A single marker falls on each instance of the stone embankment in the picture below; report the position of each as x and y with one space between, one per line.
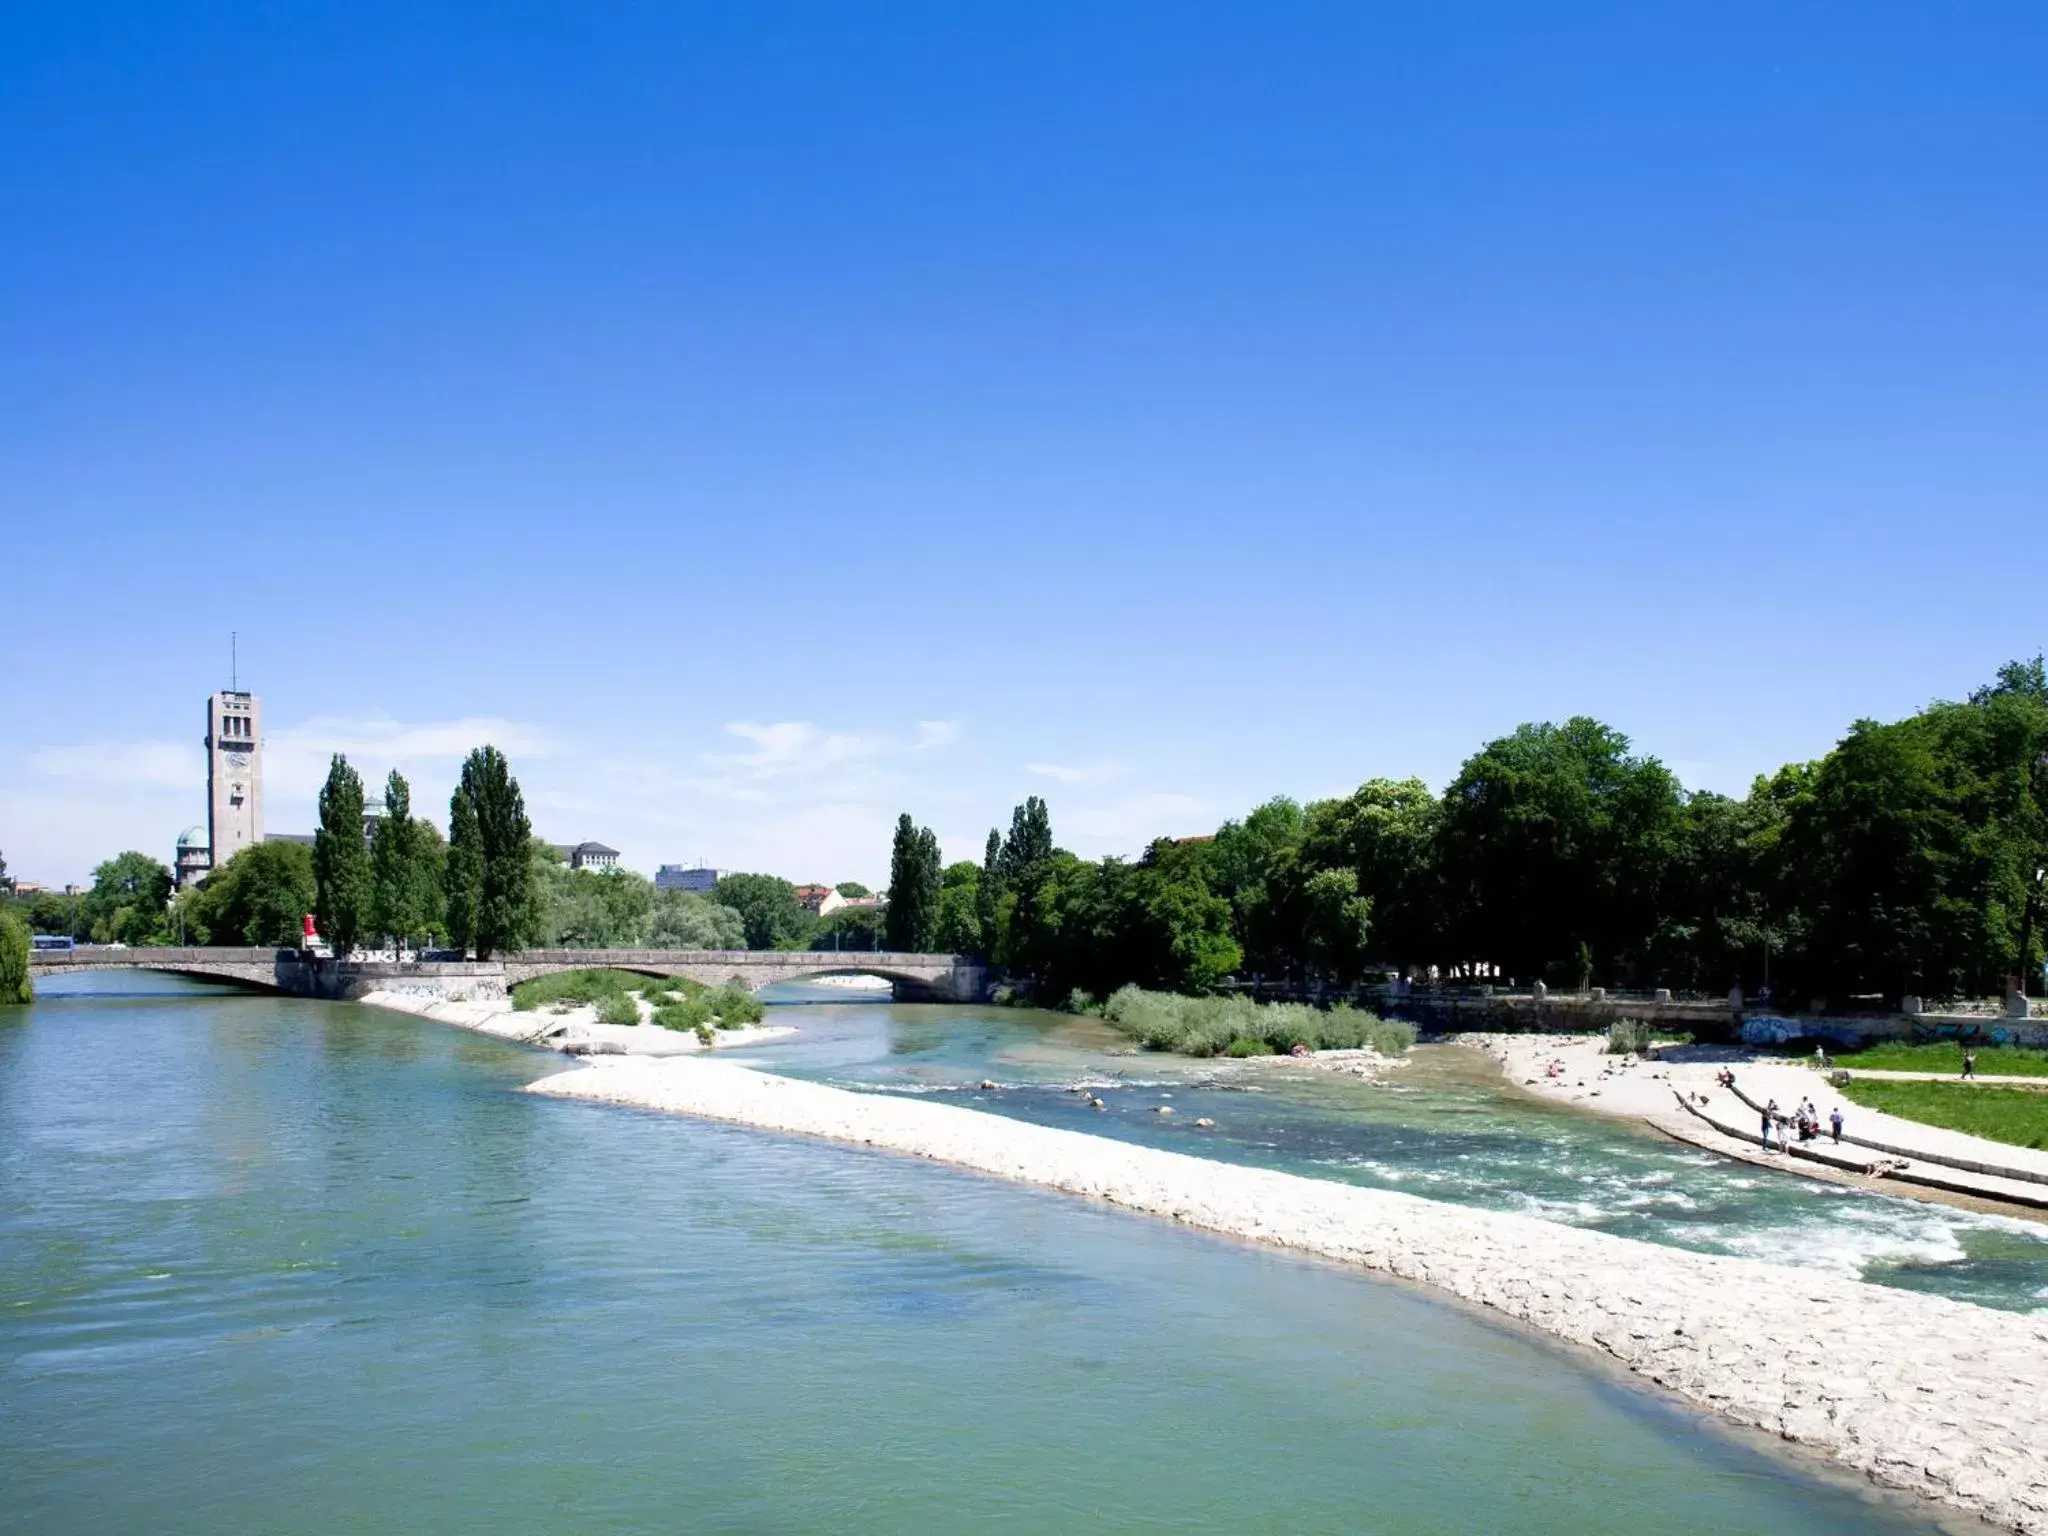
1919 1392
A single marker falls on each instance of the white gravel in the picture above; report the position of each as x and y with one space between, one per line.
1919 1392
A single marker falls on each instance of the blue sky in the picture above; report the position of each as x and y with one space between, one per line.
761 419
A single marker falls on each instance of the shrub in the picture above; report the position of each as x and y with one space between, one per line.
705 1035
688 1013
735 1007
618 1008
574 987
1237 1026
15 983
1081 1002
1626 1035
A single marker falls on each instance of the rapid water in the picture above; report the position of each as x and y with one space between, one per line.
1442 1126
273 1265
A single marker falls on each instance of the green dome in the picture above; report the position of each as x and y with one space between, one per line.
192 837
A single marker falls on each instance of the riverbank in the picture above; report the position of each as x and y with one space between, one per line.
1575 1070
1920 1393
572 1031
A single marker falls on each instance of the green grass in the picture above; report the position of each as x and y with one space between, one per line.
2018 1116
1946 1057
1237 1026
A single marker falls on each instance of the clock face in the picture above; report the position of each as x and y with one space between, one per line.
238 760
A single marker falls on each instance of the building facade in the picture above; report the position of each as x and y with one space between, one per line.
593 856
234 775
674 877
194 858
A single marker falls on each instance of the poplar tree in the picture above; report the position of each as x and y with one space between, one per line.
405 867
988 894
341 863
915 876
490 877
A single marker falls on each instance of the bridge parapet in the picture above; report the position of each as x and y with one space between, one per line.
937 978
934 978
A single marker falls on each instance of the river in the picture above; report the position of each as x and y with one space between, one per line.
1443 1126
268 1264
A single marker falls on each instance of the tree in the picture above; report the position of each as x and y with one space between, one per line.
850 889
259 897
1552 838
6 880
126 904
341 864
914 878
1246 861
957 928
988 896
1029 844
851 928
687 920
1385 834
768 909
490 871
406 857
16 986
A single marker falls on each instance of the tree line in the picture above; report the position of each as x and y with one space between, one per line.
1910 859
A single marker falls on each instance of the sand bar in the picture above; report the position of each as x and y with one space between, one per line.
1919 1392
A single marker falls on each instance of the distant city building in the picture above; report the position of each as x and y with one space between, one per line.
861 903
234 775
30 888
674 877
194 857
593 856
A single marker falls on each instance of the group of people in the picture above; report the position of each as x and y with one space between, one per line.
1805 1121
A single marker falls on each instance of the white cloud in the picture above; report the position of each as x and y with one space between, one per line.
792 746
937 733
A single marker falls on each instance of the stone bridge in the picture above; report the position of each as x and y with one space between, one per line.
925 978
918 978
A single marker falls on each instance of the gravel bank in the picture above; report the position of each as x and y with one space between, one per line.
572 1031
1919 1392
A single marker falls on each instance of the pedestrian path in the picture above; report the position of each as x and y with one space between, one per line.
1877 1148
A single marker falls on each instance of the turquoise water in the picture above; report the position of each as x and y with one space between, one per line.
270 1265
1442 1127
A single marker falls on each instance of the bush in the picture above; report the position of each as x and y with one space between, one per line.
618 1008
735 1007
574 987
689 1013
704 1034
15 984
1626 1035
1237 1026
1081 1002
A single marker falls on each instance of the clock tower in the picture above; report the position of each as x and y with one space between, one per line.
234 774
